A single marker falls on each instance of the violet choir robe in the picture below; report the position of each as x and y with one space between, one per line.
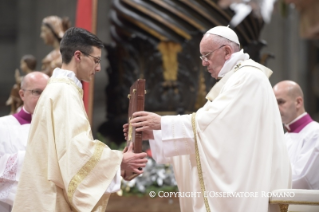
240 144
65 169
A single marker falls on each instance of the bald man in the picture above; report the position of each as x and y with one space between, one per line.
14 130
302 136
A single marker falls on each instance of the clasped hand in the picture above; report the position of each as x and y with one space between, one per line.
144 122
132 162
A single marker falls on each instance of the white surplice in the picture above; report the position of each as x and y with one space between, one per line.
240 140
303 149
13 141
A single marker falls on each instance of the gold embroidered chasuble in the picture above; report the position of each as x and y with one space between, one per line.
240 145
65 169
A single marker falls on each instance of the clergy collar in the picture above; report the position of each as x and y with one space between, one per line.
23 116
299 123
233 60
58 72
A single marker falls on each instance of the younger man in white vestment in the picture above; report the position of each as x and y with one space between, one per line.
65 169
14 130
302 136
234 143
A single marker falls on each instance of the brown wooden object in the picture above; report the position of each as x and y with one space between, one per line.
137 99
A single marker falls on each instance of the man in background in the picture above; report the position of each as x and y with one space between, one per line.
14 130
302 136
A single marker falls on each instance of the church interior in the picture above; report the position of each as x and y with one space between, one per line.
157 40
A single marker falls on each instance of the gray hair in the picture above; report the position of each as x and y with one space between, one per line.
224 41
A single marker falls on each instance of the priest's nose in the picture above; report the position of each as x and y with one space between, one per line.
205 63
98 68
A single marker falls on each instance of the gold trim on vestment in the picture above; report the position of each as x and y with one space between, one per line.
199 166
85 170
67 81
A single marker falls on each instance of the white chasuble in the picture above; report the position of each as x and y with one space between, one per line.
240 145
64 168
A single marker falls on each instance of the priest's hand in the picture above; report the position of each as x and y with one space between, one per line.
133 162
147 134
144 121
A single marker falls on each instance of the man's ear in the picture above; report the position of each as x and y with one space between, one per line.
21 93
299 102
77 56
228 52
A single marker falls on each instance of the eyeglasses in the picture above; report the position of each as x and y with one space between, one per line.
35 92
204 57
97 60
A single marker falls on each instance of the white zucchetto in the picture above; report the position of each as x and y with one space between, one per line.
224 32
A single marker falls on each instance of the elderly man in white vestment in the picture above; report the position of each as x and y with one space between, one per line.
65 169
302 136
14 130
231 152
